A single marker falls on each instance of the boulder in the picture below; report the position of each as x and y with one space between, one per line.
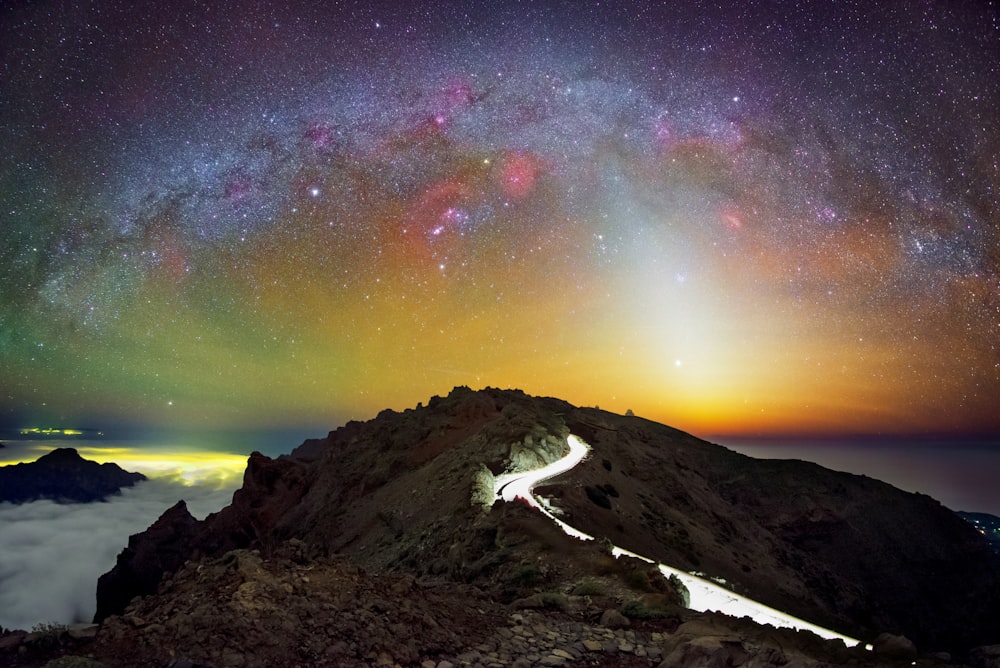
613 619
890 646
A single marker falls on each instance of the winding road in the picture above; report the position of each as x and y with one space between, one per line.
704 594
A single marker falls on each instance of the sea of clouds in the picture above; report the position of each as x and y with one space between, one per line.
52 554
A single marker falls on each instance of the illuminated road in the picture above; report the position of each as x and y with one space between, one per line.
705 594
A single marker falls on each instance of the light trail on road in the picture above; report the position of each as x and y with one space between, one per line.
705 595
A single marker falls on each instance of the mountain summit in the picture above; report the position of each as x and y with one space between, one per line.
410 495
63 475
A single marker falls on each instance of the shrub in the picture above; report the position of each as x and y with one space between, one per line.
588 587
638 579
636 609
47 634
70 661
527 575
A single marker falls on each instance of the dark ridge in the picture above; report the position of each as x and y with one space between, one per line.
64 476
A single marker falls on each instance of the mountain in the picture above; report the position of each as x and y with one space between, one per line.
63 475
986 524
381 544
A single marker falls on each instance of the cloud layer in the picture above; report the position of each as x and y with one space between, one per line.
51 555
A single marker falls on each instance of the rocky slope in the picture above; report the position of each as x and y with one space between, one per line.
63 475
407 495
295 608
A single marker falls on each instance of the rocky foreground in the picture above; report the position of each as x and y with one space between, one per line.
293 609
381 545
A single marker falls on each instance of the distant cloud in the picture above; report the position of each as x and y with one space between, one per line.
51 555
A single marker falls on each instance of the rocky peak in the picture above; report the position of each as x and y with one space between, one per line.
162 548
63 475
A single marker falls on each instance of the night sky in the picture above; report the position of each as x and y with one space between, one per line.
741 218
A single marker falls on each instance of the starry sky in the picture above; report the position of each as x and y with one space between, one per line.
735 218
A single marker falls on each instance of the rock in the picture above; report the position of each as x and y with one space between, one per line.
705 652
987 656
613 619
82 631
162 548
894 647
592 645
135 621
534 601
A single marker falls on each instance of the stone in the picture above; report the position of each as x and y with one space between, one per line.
892 646
613 619
563 654
592 645
82 631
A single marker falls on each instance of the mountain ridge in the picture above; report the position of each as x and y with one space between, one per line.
403 493
63 475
